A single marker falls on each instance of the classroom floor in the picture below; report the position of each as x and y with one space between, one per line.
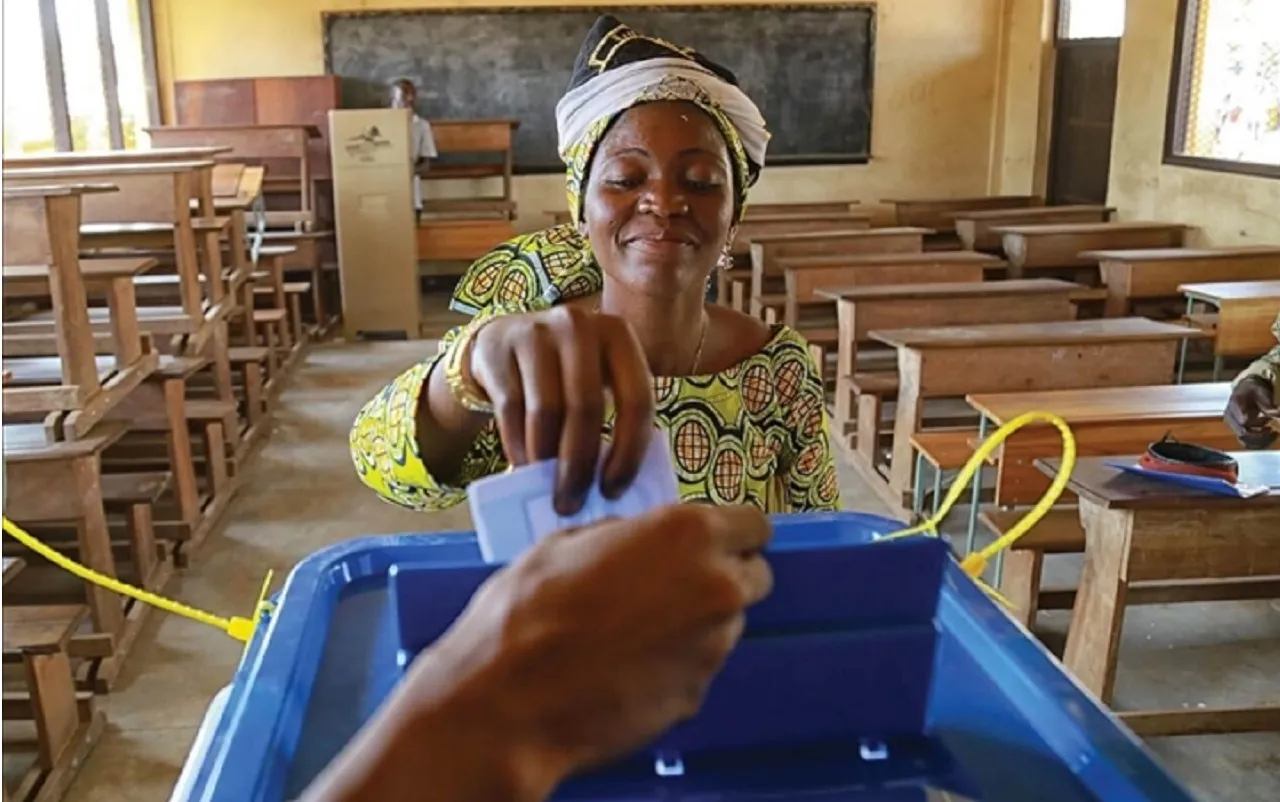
300 494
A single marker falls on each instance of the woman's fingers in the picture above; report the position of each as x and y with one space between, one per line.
504 384
579 447
627 372
544 396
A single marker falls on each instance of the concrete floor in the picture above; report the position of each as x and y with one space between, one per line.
300 494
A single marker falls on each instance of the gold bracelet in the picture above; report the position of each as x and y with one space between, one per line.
457 372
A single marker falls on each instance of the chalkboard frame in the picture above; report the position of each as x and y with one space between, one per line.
329 18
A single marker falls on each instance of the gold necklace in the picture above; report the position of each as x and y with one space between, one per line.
702 338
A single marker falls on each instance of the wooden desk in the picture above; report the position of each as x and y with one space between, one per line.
1143 530
767 251
975 227
806 277
1110 420
1066 245
108 157
937 213
1247 311
1155 273
863 309
957 361
61 481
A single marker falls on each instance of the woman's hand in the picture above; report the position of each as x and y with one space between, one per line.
546 374
1251 407
588 646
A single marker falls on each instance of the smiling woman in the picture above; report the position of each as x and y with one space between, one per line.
601 325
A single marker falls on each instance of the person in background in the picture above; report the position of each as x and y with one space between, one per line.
582 650
598 330
1252 407
403 96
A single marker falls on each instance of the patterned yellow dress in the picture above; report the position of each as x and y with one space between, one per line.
756 433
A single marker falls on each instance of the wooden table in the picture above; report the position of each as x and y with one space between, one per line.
1247 312
937 213
1030 247
975 227
957 361
1155 273
1139 530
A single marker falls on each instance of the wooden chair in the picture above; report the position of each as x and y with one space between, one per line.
463 229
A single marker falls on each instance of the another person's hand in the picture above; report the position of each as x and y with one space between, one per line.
591 644
546 374
1251 407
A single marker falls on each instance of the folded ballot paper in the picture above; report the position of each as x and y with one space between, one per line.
512 511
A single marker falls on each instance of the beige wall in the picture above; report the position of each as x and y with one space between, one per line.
938 66
1226 208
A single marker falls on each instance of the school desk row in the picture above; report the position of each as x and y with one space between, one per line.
128 415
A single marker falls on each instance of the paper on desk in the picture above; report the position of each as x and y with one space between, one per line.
514 510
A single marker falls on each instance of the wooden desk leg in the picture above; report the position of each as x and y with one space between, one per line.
846 360
239 247
1093 641
95 545
739 294
125 334
180 460
907 419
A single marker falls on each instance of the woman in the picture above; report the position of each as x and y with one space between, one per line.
661 148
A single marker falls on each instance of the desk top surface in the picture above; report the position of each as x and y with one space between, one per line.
1029 213
1058 229
1113 488
1065 332
1110 404
1140 255
953 289
1232 290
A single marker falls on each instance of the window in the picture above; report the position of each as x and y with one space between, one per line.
1090 19
1225 92
78 74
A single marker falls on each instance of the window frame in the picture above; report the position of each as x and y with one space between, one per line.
55 81
1186 33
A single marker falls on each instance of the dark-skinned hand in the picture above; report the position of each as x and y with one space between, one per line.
549 376
1251 407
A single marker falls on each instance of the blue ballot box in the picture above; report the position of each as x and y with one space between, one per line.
875 671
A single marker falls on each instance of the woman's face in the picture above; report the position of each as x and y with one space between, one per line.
658 206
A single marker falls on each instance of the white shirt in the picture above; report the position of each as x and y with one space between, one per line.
424 147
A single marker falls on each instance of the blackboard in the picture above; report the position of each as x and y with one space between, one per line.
808 67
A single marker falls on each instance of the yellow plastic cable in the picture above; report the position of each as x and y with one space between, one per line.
976 563
241 629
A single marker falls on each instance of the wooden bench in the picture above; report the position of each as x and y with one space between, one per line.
766 252
942 451
733 287
67 725
975 227
1055 247
1132 275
